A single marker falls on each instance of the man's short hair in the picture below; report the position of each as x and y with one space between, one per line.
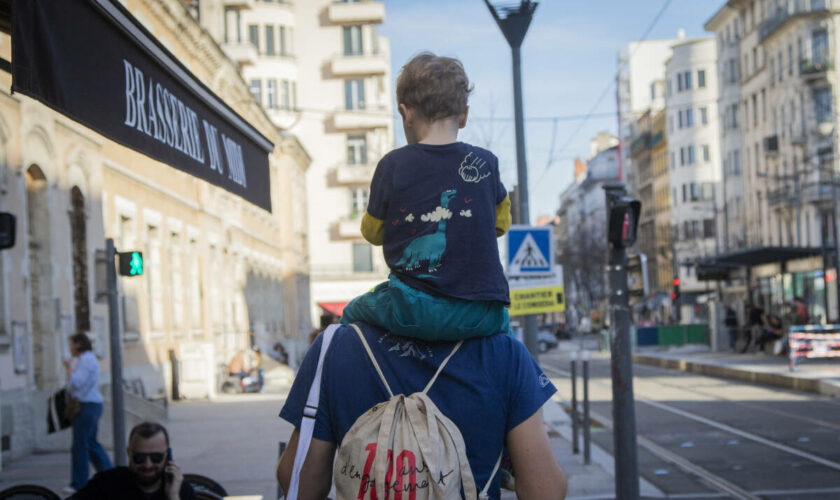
82 341
146 430
435 87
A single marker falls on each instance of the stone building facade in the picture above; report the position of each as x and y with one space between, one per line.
220 274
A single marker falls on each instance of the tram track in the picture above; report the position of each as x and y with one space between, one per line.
706 477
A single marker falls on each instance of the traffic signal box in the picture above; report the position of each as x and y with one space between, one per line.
131 263
675 295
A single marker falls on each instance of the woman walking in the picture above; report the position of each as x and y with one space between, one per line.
83 384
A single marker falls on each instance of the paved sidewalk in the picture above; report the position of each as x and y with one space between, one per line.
820 376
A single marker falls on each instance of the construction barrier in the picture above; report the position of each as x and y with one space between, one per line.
813 341
672 335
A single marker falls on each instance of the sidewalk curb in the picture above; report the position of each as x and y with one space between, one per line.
560 422
785 381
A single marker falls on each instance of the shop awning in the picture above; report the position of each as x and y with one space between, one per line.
336 308
719 266
92 61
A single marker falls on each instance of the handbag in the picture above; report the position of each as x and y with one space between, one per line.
57 418
72 407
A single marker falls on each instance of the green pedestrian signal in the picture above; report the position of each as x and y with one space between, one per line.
131 263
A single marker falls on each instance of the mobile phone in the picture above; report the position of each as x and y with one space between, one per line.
168 461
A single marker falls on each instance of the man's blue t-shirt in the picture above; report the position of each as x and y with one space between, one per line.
491 385
438 204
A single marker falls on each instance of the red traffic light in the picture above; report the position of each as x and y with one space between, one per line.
676 282
673 296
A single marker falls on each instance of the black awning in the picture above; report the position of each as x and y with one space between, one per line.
92 61
762 255
719 266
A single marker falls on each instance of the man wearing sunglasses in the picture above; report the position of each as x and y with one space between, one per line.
150 475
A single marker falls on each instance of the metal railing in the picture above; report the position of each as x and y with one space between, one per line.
788 10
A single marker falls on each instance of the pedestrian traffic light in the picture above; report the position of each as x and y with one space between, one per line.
623 221
675 295
131 263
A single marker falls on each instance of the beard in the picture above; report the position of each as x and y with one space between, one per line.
147 479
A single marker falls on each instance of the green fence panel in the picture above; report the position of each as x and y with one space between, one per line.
697 334
671 335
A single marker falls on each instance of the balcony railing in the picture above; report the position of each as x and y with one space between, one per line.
354 174
348 119
818 192
366 11
242 53
815 69
789 10
365 64
781 197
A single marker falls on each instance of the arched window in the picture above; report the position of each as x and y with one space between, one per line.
78 241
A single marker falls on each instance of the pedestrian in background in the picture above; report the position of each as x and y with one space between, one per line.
731 322
83 384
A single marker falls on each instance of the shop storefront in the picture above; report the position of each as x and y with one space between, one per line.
775 276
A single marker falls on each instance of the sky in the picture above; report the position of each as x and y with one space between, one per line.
569 58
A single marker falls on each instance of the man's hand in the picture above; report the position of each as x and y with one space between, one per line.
173 487
68 365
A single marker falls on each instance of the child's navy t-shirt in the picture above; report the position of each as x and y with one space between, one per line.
438 204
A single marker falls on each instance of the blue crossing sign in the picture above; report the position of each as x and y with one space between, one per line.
529 250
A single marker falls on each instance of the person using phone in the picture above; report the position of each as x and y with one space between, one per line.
150 475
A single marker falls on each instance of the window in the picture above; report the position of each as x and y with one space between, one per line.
673 163
763 105
356 150
293 95
689 118
733 70
819 46
680 118
822 100
704 116
354 94
679 82
353 40
690 154
682 157
78 231
256 90
706 156
736 162
687 80
707 192
176 289
772 72
358 201
695 194
755 59
281 36
790 59
285 98
685 193
254 35
781 66
271 93
269 40
701 79
362 258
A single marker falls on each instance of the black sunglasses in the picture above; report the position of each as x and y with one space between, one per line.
140 458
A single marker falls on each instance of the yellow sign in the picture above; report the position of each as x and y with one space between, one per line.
537 300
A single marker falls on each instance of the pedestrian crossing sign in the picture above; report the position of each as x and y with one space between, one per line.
529 250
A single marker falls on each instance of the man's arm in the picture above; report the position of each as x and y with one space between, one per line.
538 475
316 473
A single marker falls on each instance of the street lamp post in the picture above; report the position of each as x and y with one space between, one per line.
514 23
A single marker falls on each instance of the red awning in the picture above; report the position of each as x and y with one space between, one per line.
333 307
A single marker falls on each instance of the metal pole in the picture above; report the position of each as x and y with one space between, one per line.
587 448
118 406
575 447
530 334
624 412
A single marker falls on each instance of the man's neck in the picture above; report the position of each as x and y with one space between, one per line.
152 488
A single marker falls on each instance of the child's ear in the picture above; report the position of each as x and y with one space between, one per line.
406 112
462 120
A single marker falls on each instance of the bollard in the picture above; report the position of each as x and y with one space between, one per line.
587 456
575 447
282 448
